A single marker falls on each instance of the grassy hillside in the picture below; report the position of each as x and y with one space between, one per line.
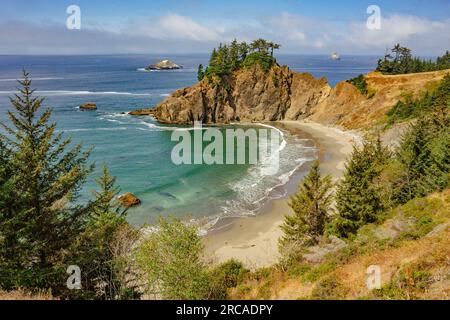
364 102
411 246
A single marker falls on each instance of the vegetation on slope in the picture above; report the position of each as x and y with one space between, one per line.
43 230
401 61
410 108
411 246
360 83
385 214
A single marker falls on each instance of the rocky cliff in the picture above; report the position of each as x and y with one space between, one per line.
250 94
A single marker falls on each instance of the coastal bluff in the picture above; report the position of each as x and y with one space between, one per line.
251 94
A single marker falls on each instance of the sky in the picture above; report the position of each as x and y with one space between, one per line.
196 26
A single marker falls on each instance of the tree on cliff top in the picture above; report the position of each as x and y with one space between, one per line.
401 61
228 58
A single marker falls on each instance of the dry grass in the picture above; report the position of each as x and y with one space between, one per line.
23 295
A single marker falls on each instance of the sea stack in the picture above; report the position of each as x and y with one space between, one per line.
88 106
164 65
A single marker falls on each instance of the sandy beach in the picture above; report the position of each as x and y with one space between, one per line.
254 240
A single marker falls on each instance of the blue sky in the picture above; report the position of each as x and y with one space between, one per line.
301 26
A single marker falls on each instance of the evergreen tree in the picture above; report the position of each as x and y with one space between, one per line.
228 58
200 73
358 198
423 158
243 51
402 62
234 55
93 252
438 101
311 206
39 220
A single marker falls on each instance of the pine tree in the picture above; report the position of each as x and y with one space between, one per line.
358 198
311 206
423 158
200 73
40 220
234 55
92 250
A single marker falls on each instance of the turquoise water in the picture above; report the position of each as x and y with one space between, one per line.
137 149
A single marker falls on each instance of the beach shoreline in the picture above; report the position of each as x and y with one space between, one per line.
254 240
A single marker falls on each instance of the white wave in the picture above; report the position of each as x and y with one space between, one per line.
156 127
145 70
33 79
91 129
81 93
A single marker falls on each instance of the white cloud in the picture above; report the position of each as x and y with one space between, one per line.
177 33
174 26
400 28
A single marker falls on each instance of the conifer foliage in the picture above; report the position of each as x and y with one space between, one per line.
40 220
401 61
422 160
311 206
358 196
228 58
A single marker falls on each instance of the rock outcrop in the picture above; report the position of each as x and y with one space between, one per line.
88 106
164 65
250 95
129 200
142 112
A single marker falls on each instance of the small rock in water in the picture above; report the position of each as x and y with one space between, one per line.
142 112
129 200
88 106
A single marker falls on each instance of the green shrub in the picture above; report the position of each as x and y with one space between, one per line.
360 83
410 108
259 58
225 276
328 288
170 262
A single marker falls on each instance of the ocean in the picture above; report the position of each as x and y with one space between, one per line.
137 150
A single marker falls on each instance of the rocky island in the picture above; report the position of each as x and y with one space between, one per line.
88 106
164 65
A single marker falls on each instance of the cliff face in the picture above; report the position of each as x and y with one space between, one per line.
251 94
